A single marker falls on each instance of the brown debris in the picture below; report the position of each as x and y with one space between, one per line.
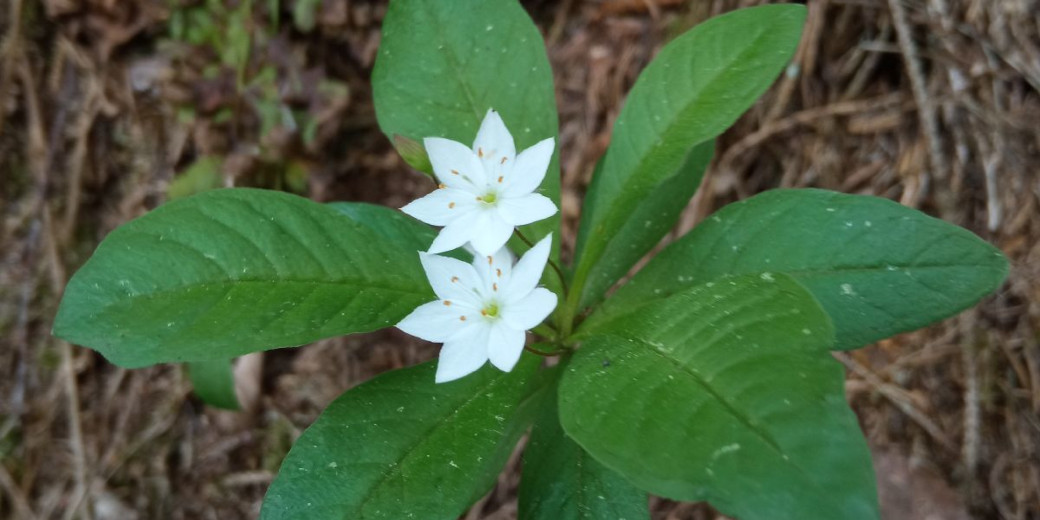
933 104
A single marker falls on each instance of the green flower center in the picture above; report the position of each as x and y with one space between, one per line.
489 198
491 311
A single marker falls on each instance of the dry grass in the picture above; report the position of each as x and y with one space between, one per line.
933 103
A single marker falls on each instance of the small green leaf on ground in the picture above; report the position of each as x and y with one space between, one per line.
214 382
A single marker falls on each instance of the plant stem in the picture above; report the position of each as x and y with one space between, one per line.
539 352
559 272
546 331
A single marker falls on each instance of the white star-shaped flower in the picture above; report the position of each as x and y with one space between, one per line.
484 192
484 309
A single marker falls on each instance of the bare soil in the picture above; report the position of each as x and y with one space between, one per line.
933 103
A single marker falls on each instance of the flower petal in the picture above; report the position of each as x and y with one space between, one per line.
441 206
494 270
494 142
455 164
527 312
529 169
490 233
505 344
463 353
453 280
453 235
523 210
528 270
431 321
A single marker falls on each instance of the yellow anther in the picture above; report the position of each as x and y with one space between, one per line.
462 318
483 312
500 177
441 186
494 287
455 172
451 205
498 272
454 279
503 161
480 152
490 260
447 302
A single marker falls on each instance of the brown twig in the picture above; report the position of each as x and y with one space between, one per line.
898 397
925 107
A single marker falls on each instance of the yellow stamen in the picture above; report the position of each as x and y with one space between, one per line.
498 272
451 205
500 179
480 152
490 260
455 172
447 302
441 186
483 312
502 162
494 287
462 318
454 279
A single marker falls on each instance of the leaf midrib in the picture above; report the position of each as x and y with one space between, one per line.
421 439
762 434
797 275
208 285
645 156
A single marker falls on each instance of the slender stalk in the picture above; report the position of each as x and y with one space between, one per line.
546 331
540 352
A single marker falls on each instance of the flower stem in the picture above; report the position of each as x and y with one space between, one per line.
540 352
559 272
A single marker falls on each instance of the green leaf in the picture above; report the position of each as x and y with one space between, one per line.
442 65
693 90
214 383
401 446
876 267
724 392
561 481
232 271
389 223
649 221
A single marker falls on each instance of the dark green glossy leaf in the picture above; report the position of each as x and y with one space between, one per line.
724 392
693 90
442 65
232 271
878 268
650 220
214 383
389 223
561 481
401 446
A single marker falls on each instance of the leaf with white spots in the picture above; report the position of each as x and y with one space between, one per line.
232 271
876 267
695 88
724 392
561 481
442 65
401 446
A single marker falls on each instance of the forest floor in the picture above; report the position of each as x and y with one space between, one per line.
932 103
